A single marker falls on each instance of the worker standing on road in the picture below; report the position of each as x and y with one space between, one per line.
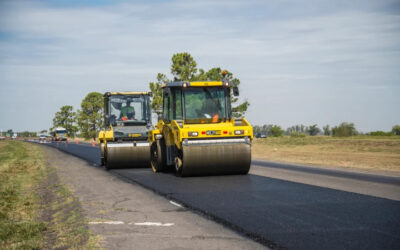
127 112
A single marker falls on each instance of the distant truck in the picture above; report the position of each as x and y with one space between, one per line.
43 138
59 134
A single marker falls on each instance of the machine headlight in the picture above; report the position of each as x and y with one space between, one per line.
239 132
193 133
158 136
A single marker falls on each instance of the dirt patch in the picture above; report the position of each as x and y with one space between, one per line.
362 153
47 198
66 225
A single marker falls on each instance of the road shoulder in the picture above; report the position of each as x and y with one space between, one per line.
128 216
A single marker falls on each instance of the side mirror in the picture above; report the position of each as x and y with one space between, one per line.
235 91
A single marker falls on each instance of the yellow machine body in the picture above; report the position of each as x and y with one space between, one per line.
123 143
201 147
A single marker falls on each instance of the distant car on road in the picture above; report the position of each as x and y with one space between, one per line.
261 135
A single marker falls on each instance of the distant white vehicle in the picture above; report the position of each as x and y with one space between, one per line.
42 138
59 134
14 136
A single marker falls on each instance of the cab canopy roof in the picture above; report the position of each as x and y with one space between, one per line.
185 84
126 93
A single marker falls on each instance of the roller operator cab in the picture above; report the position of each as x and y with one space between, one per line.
127 120
197 134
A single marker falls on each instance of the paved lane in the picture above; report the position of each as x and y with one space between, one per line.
277 212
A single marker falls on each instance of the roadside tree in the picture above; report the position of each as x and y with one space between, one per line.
66 118
184 67
155 88
90 117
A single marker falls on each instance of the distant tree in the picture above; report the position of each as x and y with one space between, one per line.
26 134
90 117
10 132
276 131
155 88
313 130
380 133
327 130
299 128
66 118
344 129
257 129
266 128
396 130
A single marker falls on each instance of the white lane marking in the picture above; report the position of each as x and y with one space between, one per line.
157 224
107 222
176 204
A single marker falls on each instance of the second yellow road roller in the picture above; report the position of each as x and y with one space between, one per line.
197 134
127 119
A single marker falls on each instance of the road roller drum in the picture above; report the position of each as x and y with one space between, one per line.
128 155
229 156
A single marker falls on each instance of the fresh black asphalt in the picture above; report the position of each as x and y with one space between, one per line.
278 213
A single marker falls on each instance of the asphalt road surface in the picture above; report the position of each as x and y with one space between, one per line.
277 212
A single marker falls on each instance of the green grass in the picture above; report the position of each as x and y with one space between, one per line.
20 170
30 189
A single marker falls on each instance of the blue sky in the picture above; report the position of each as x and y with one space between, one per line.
300 62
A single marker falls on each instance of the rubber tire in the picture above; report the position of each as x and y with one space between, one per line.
158 155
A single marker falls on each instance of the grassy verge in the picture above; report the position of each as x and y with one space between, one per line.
20 171
36 210
368 153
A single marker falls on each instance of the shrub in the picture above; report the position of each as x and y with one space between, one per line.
380 133
297 135
276 131
344 129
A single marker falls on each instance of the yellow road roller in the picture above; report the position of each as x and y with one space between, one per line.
127 119
197 134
